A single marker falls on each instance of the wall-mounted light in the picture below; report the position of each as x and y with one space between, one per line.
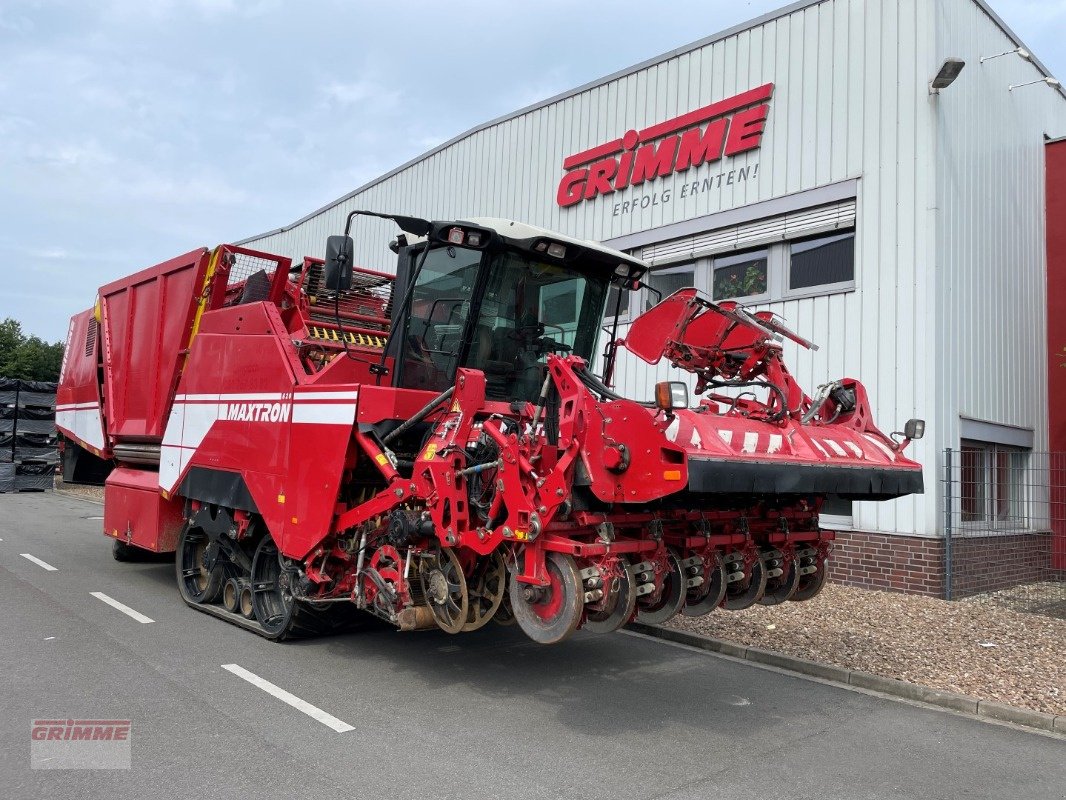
1021 52
946 75
1052 82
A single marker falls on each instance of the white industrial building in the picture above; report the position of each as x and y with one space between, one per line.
801 162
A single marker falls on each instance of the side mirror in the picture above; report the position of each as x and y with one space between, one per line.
914 429
340 254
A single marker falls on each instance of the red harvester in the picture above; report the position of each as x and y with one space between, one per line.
433 448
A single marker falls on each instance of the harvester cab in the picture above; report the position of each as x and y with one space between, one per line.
492 295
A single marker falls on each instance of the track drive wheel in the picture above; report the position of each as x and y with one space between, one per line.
486 590
706 597
748 592
811 585
197 582
444 586
617 606
549 614
278 613
672 598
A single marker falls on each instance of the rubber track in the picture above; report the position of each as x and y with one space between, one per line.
309 624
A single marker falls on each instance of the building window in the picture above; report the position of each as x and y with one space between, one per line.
741 275
822 261
992 487
666 282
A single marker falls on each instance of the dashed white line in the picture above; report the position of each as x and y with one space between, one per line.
38 562
125 609
314 712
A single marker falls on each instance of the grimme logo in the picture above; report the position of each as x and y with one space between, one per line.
256 412
734 125
80 743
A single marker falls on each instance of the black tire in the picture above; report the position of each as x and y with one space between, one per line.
198 584
127 553
279 614
780 590
706 598
556 613
749 592
671 600
620 605
810 586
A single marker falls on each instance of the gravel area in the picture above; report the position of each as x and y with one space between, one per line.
972 647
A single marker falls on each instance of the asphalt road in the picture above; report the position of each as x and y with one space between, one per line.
483 715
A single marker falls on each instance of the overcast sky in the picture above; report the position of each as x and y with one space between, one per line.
135 130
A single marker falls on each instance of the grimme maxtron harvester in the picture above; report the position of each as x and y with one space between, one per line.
433 448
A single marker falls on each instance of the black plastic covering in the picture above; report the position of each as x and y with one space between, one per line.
759 477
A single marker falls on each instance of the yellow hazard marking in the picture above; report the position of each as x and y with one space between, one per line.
281 499
381 458
672 475
295 520
520 534
431 450
331 335
455 406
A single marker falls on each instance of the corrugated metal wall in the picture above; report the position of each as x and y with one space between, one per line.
990 243
850 101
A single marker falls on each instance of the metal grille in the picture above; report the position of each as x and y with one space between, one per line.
90 337
1005 527
244 265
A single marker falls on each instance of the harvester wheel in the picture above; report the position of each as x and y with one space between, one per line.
278 613
486 592
444 586
672 598
197 582
748 592
811 585
549 614
781 589
618 605
706 597
121 551
505 614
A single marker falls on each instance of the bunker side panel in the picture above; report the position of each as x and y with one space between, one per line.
240 410
147 319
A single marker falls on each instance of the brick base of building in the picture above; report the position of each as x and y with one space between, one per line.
917 564
912 564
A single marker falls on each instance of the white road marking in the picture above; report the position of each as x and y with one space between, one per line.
38 562
314 712
129 612
49 638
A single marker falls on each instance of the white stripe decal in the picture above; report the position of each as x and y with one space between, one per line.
726 436
775 443
314 712
880 445
821 449
125 609
751 441
836 448
324 413
854 448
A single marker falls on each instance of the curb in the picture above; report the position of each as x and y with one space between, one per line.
861 680
65 493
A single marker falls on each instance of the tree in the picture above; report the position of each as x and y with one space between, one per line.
27 357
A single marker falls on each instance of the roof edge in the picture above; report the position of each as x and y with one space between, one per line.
796 5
